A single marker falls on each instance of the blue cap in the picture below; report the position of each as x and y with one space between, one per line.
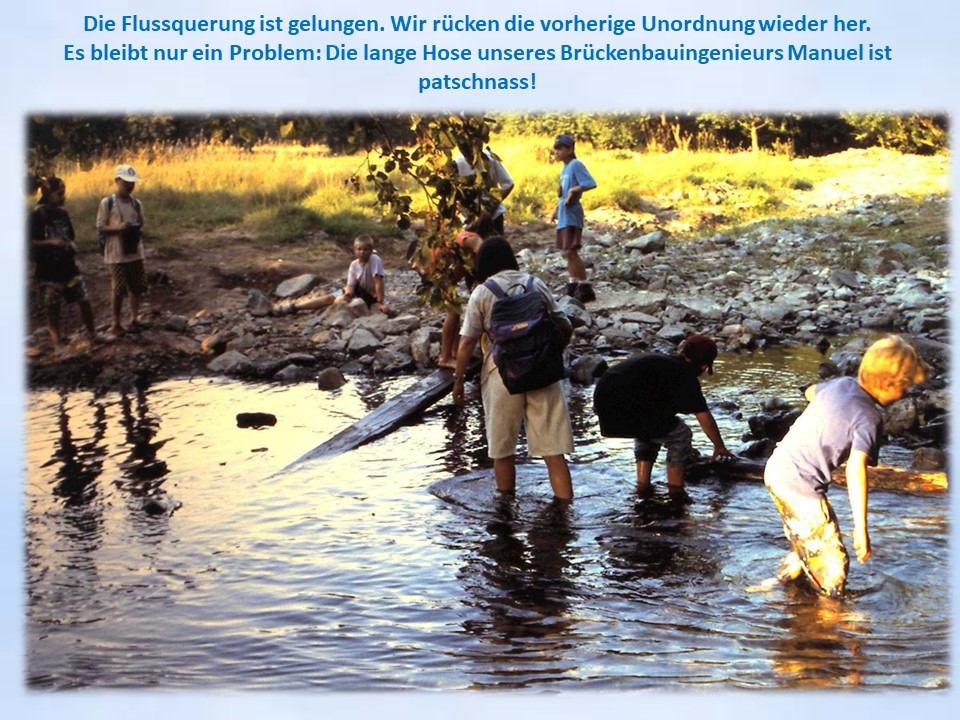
563 140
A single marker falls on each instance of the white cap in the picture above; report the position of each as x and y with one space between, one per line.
127 174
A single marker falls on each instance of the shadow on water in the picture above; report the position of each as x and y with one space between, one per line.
519 579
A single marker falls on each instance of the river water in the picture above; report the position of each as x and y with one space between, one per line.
165 547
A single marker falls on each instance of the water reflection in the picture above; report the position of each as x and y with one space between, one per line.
79 463
392 589
650 542
821 646
524 586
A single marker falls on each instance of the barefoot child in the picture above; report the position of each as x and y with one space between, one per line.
364 280
53 254
841 424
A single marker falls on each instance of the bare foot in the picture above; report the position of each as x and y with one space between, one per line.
449 364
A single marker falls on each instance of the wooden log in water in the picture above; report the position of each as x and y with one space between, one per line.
883 477
390 415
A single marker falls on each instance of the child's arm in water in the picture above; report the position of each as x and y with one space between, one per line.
857 489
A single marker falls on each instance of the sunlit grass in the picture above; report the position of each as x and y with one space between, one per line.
289 193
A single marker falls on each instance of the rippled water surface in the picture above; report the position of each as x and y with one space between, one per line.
166 547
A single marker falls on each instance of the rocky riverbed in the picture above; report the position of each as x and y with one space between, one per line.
855 265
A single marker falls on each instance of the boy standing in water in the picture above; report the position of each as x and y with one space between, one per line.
841 424
575 180
640 398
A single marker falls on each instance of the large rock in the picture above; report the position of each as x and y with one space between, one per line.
339 316
578 315
330 379
362 341
390 361
231 363
702 307
587 368
294 373
421 345
402 324
297 286
216 343
900 417
258 304
655 241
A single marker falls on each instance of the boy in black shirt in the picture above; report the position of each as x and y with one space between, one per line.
53 257
640 398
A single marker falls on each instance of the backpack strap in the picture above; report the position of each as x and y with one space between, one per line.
494 287
112 198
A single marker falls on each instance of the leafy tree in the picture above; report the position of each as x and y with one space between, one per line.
921 134
427 168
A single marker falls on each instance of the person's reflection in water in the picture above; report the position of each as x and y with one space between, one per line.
464 448
144 473
525 587
62 543
79 464
650 543
821 645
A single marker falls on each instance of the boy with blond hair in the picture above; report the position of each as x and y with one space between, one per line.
364 280
842 424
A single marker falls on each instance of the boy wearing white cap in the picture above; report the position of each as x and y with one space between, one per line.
120 225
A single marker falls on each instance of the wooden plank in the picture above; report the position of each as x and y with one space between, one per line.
882 477
389 416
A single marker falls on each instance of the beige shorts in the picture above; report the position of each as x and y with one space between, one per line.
542 413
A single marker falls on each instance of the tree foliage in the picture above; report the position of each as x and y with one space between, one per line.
418 160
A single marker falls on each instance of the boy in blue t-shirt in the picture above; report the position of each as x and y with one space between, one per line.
575 180
842 424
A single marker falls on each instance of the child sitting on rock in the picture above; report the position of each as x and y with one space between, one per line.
364 280
842 424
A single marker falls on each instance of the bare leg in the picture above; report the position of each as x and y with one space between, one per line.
559 472
310 302
116 307
505 473
644 470
53 324
575 267
134 307
314 302
449 335
675 479
86 313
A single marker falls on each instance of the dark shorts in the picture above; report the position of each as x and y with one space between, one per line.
53 293
814 534
569 237
129 277
678 442
364 295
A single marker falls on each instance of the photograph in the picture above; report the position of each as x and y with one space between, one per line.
290 381
425 361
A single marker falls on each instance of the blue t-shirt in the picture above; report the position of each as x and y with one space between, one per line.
842 417
574 173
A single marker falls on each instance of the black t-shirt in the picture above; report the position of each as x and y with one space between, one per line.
55 263
640 397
